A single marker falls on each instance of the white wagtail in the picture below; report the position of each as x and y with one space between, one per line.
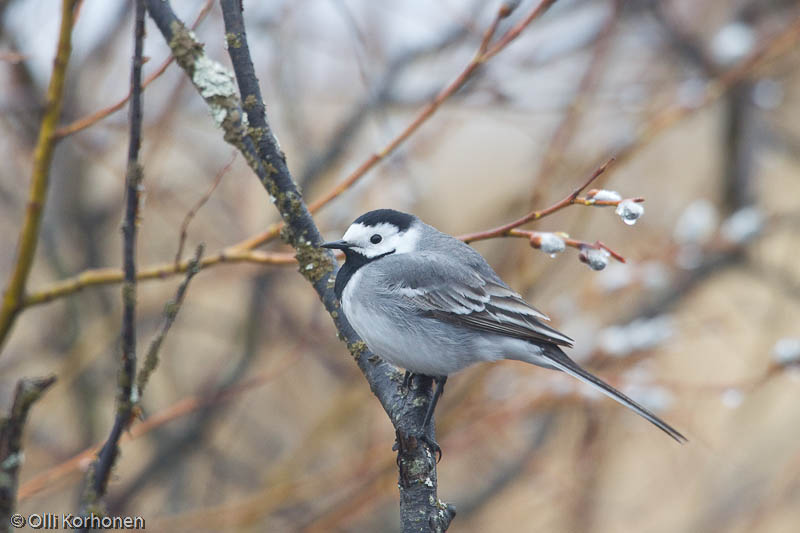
429 303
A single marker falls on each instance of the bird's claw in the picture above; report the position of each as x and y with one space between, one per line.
401 445
433 445
406 385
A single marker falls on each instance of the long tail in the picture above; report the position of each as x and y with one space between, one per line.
561 361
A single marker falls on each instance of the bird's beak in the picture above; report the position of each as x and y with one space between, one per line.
336 245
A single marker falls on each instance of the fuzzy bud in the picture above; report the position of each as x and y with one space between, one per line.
596 258
603 195
629 211
508 7
549 243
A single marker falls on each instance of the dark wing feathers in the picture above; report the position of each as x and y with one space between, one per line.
459 293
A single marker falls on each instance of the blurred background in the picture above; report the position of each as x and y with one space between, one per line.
257 418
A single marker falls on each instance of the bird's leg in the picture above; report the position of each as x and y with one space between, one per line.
427 435
440 381
407 380
405 388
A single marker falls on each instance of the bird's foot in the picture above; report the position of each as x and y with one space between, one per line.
406 386
432 444
404 443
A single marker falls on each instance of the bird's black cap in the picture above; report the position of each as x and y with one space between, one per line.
402 220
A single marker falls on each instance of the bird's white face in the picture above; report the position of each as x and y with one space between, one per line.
383 238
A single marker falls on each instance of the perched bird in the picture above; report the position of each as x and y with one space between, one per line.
429 303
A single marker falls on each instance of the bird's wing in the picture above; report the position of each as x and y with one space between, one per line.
468 293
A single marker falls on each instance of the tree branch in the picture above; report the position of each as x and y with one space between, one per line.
109 276
484 53
187 219
262 153
92 119
126 396
215 85
43 157
570 199
420 507
28 391
170 313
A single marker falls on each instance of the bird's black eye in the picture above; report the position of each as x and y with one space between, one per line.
375 239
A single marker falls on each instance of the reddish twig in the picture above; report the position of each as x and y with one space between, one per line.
568 126
572 243
12 57
186 406
570 199
200 203
774 47
483 54
514 32
90 120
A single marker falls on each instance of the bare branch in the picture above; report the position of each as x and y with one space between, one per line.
426 112
196 207
28 391
568 125
110 276
43 156
170 313
568 200
92 119
183 407
101 469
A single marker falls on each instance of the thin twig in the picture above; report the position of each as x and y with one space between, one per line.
572 243
109 276
181 408
426 112
170 313
516 30
380 95
660 122
101 469
200 203
92 119
568 200
568 125
40 177
502 12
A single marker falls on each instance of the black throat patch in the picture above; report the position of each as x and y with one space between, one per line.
352 262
